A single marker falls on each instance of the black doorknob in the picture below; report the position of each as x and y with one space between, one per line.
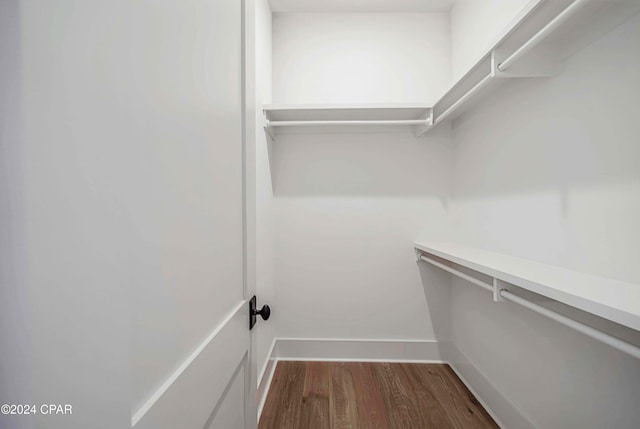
264 312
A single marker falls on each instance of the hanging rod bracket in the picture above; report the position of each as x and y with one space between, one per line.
499 286
267 126
422 129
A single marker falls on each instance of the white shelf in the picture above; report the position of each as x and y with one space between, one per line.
328 112
535 44
610 299
298 116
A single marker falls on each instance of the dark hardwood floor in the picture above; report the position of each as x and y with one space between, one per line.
366 395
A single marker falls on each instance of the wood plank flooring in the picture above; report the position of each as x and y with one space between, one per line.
370 395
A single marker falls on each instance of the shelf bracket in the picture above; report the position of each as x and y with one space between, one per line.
267 126
540 62
499 285
422 129
268 131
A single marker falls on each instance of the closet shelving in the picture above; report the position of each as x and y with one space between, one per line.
289 115
609 299
534 45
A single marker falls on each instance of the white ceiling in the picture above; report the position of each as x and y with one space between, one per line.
360 5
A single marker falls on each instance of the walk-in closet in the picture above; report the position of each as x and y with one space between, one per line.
449 182
319 214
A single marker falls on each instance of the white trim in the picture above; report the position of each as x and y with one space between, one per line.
362 350
265 377
270 357
494 402
265 383
140 412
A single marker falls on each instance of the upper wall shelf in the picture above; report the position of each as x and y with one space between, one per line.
534 45
287 115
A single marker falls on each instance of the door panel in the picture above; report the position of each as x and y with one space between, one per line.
199 393
230 412
187 206
122 213
189 329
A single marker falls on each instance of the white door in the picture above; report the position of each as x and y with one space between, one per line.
191 360
124 278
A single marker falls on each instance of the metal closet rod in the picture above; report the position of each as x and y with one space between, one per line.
460 101
608 339
473 91
270 124
462 275
562 17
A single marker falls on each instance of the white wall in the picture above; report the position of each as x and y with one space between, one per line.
360 58
349 206
265 263
64 248
15 341
476 25
548 170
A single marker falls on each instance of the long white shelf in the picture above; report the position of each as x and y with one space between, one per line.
610 299
535 44
288 115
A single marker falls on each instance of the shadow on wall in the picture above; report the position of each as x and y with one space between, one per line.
362 164
437 293
270 143
578 129
548 169
15 334
555 376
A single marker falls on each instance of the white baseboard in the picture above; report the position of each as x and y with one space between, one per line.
265 377
485 392
358 350
267 363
